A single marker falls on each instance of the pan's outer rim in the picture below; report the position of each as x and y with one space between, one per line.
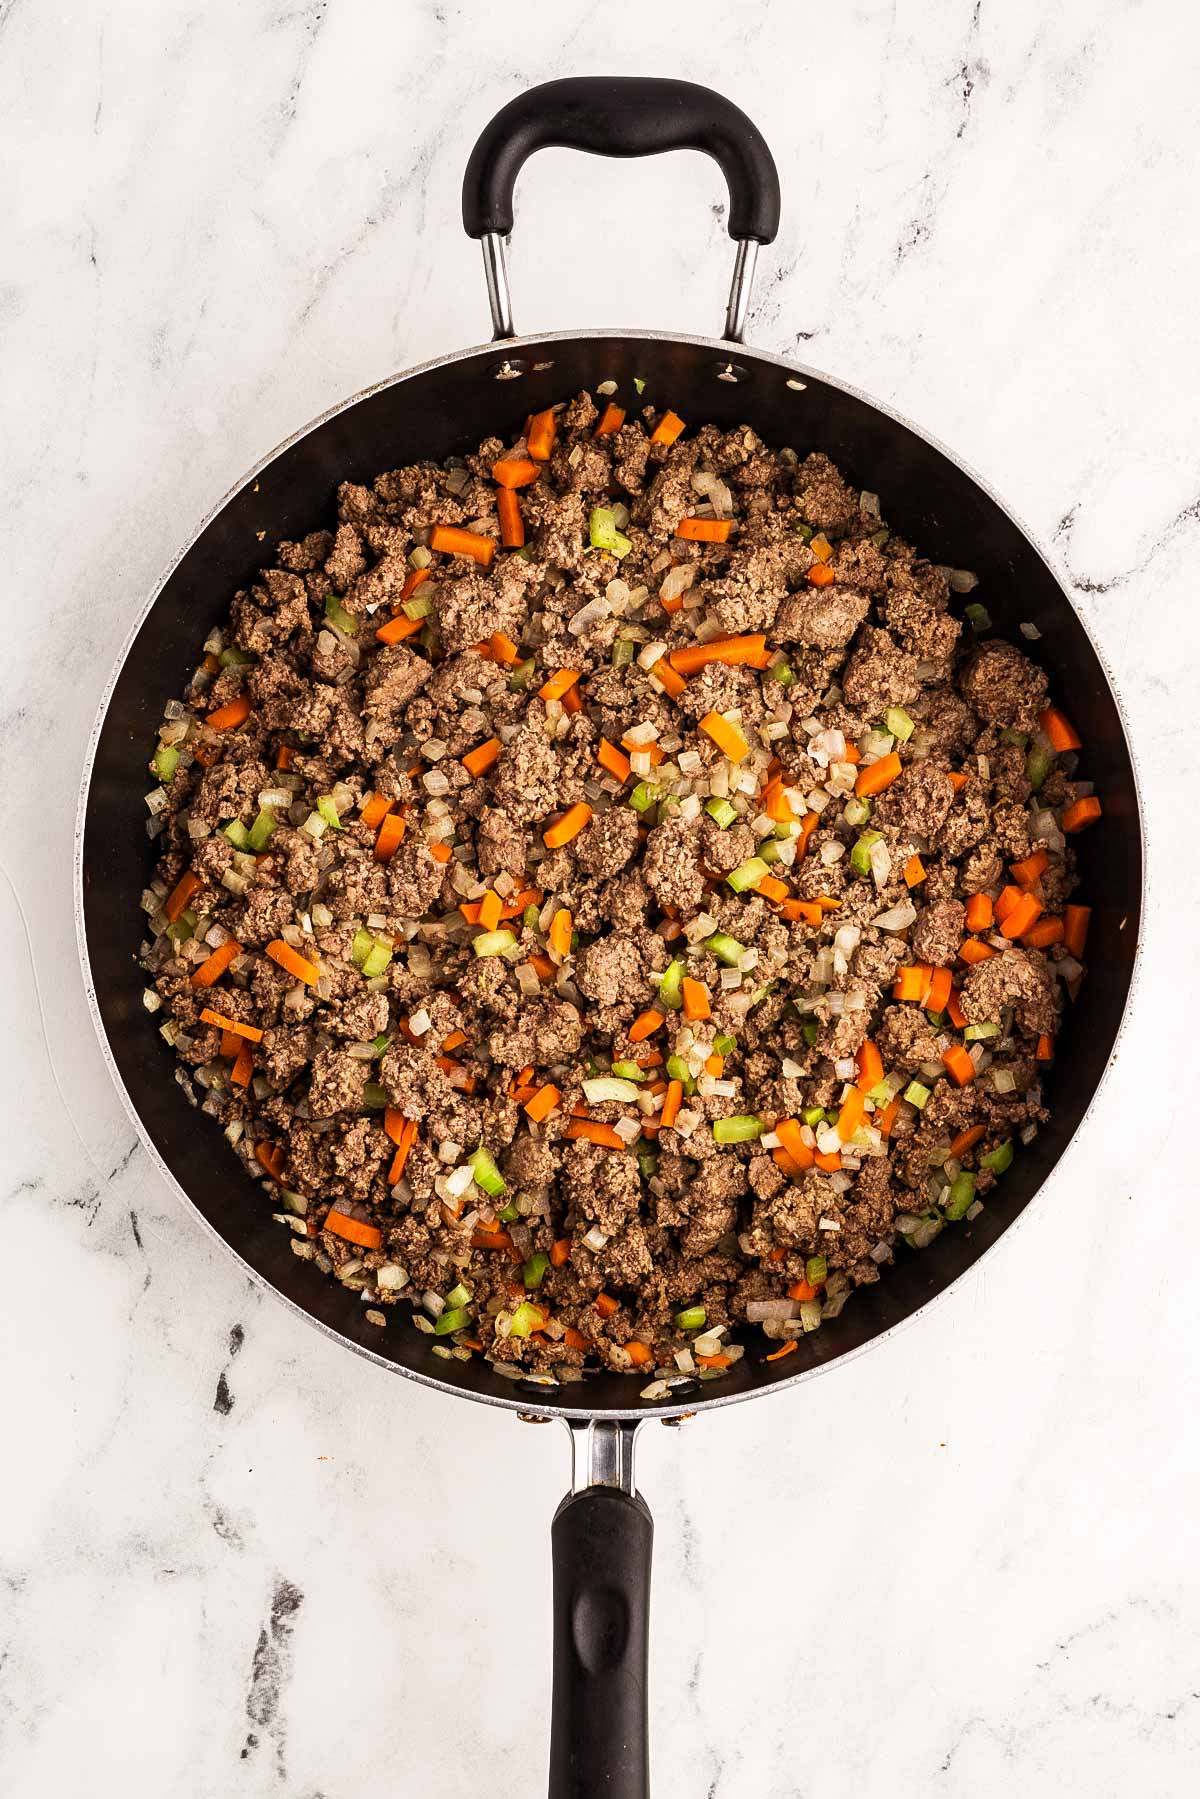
525 1402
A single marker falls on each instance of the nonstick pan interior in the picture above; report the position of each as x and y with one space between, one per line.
445 409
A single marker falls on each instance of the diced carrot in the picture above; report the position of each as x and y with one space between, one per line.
914 871
937 993
639 1354
211 664
574 1339
595 1132
542 966
214 966
777 1355
452 540
560 1252
1061 732
207 754
667 429
793 1144
775 803
412 582
441 852
704 530
568 826
886 1119
973 951
1081 813
613 760
727 737
668 678
284 755
644 749
1044 932
229 716
958 779
528 896
820 575
557 685
696 1003
877 775
514 471
671 1104
611 419
959 1065
1076 920
231 1045
1009 897
1021 917
408 1137
367 1236
782 1160
483 1238
674 604
606 1305
502 648
799 911
292 962
773 889
453 1041
808 827
490 908
176 902
955 1013
912 981
644 1025
512 525
828 1163
559 935
398 628
967 1140
539 438
714 1065
714 1361
243 1067
480 759
387 839
1045 1049
572 700
870 1067
728 650
851 1115
376 810
250 1032
395 1124
1026 872
270 1157
979 912
801 1290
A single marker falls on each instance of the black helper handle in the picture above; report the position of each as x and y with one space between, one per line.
601 1540
622 115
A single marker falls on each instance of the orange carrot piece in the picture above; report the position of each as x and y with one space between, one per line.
958 780
1009 897
1045 932
852 1113
704 530
490 908
595 1132
1076 920
668 678
828 1163
398 628
1081 813
727 737
613 760
714 1065
452 540
387 838
671 1104
514 471
395 1124
483 1238
574 1339
214 966
367 1236
912 981
611 419
886 1119
959 1065
777 1355
502 648
292 962
821 575
231 1046
667 429
980 912
714 1361
559 935
176 902
270 1157
1026 872
877 775
1021 917
441 852
572 700
1045 1049
480 759
729 650
542 966
568 826
696 1003
539 438
955 1013
914 871
408 1137
560 1252
966 1140
558 683
512 525
644 1025
790 1137
250 1032
802 1290
243 1067
775 802
606 1305
543 1102
773 889
376 810
870 1067
228 717
972 951
937 993
1061 732
639 1354
284 755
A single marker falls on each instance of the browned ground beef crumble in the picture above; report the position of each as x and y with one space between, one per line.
678 1219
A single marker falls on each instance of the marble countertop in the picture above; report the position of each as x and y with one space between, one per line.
235 1560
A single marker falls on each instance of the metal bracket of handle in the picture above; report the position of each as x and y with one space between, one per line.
602 1453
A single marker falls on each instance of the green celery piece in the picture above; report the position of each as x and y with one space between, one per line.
860 855
329 812
721 812
816 1270
165 761
647 1165
380 1044
639 384
1019 739
897 721
235 658
978 617
628 1071
670 986
183 927
677 1068
879 538
768 850
374 1097
644 796
534 1269
237 834
377 958
813 1115
510 1213
623 652
1038 764
486 1173
518 680
526 1319
360 947
998 1159
725 948
781 672
936 1019
454 1318
748 874
810 1029
741 1128
723 1042
337 615
261 831
917 1095
603 533
493 943
691 1318
420 606
806 532
458 1296
976 1033
961 1196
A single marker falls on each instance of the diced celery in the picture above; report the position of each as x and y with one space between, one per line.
721 812
961 1196
486 1174
518 679
534 1269
165 761
361 946
623 652
975 1033
856 812
860 855
998 1159
748 874
337 615
806 532
458 1296
420 606
510 1213
377 958
691 1318
237 834
809 1029
768 850
1038 764
232 657
936 1019
183 927
628 1071
670 986
493 943
723 1042
526 1319
454 1318
816 1270
647 1165
741 1128
329 812
677 1069
379 1044
529 917
1019 739
374 1097
261 831
978 617
781 672
644 796
897 721
604 1087
813 1115
603 533
917 1095
639 384
879 538
725 948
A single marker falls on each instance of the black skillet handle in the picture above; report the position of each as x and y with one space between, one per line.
601 1540
621 115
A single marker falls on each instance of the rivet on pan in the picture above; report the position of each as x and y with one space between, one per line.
730 371
511 369
795 385
538 367
533 1418
674 1423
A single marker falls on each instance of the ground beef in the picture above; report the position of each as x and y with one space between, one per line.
383 810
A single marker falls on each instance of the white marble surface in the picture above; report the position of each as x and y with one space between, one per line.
236 1561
